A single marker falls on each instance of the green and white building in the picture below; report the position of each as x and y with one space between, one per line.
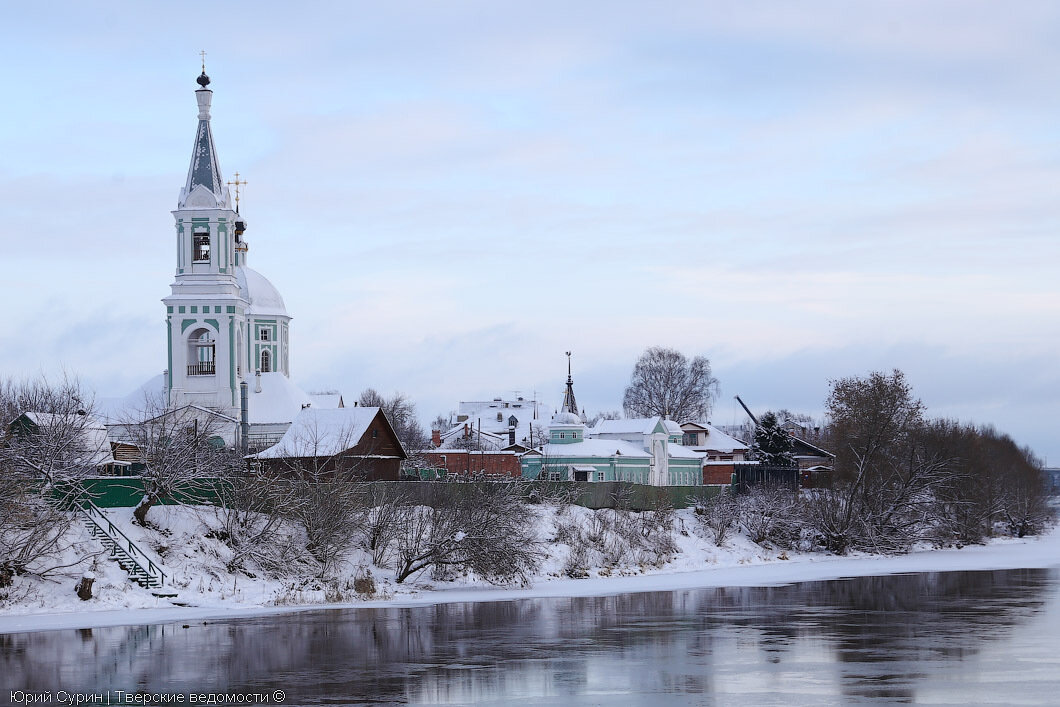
642 451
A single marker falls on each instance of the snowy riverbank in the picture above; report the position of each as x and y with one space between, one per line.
206 591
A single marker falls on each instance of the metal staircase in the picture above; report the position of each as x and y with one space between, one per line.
141 568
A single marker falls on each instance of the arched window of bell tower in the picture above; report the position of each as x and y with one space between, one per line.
201 247
266 362
201 349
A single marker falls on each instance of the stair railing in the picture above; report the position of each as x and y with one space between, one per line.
94 515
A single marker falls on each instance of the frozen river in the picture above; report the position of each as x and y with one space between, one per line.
989 637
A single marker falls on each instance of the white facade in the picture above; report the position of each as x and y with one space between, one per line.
225 322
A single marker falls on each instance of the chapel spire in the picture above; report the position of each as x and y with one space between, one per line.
569 404
204 187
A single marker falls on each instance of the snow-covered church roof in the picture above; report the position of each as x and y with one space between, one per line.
263 297
629 426
279 401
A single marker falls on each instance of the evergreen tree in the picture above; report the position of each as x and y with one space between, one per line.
772 445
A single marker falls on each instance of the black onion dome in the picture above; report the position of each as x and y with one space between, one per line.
203 80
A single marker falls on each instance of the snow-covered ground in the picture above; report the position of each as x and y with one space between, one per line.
205 589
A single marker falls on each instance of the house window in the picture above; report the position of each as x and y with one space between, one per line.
691 439
201 248
554 476
599 476
266 362
264 334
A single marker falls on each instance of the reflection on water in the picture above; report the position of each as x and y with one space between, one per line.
952 638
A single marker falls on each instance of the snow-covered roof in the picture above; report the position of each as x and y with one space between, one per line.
494 430
678 451
280 400
484 408
717 440
326 401
322 433
146 400
594 448
93 433
263 297
634 426
565 419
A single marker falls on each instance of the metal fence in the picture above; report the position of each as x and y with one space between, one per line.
746 476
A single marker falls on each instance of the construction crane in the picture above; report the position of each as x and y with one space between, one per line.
747 410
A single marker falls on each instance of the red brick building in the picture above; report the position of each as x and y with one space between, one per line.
462 462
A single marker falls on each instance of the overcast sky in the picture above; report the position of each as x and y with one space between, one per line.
451 195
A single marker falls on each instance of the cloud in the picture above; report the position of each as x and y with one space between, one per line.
450 197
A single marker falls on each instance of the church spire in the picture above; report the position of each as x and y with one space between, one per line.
204 187
569 403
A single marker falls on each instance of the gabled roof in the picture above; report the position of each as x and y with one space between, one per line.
93 434
634 426
322 433
327 401
193 409
805 449
715 438
678 451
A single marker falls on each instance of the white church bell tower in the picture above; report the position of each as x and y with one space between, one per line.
225 321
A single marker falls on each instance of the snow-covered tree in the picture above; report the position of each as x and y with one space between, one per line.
772 444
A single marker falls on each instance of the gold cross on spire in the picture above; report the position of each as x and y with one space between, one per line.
236 183
203 55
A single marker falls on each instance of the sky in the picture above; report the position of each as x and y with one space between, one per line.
451 195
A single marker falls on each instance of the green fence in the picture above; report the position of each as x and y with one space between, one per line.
126 492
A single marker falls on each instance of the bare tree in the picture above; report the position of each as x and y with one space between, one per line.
49 443
184 456
332 513
401 412
718 516
604 415
320 457
666 383
383 521
769 513
884 474
254 523
486 528
440 423
995 484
